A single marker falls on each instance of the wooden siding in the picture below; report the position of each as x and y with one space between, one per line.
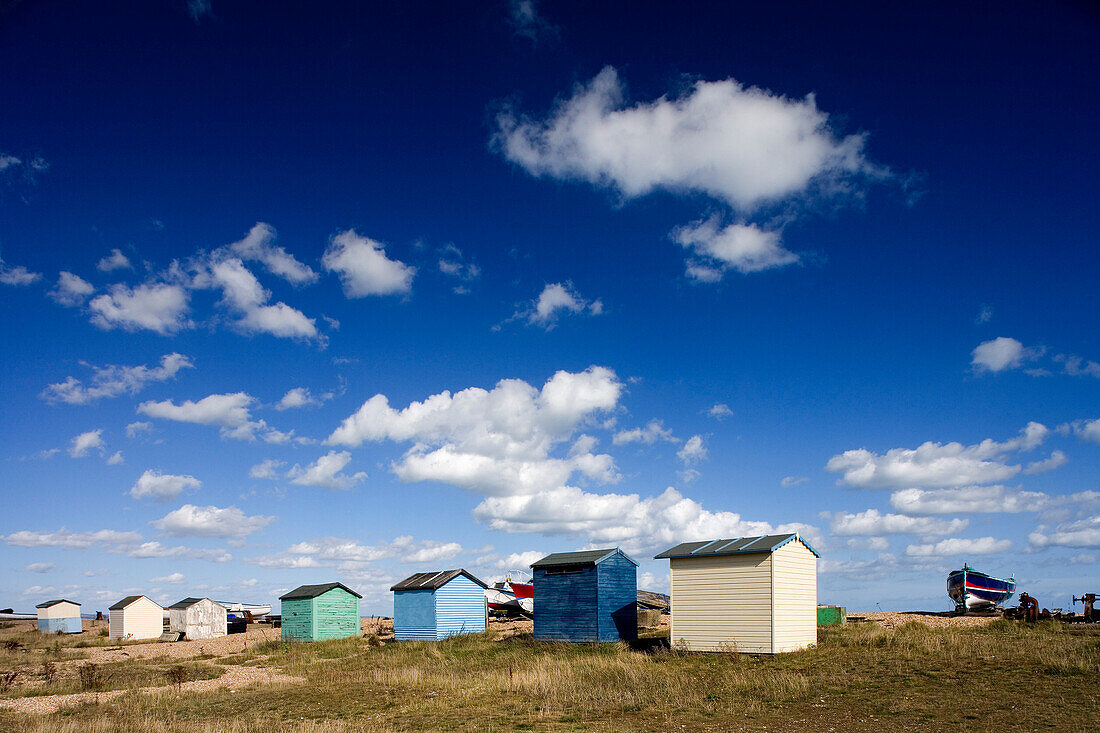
59 610
297 619
566 605
142 619
335 615
794 597
617 602
203 620
71 625
722 603
414 614
459 608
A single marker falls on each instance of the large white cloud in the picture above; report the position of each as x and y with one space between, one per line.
743 145
1079 533
210 521
873 523
113 380
243 294
258 245
364 268
327 472
158 307
163 486
960 547
935 465
231 412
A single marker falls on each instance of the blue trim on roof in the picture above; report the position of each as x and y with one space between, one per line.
801 539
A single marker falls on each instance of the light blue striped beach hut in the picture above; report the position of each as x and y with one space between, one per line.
437 605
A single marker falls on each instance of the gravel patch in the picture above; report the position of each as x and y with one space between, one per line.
893 619
235 678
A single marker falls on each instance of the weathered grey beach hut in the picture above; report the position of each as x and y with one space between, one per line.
748 594
438 604
59 617
586 596
136 617
198 618
320 612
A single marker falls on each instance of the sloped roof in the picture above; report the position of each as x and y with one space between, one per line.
734 546
433 580
126 602
188 602
47 604
312 591
584 557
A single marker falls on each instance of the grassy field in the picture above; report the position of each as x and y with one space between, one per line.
859 678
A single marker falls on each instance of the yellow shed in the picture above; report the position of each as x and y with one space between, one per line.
755 595
136 617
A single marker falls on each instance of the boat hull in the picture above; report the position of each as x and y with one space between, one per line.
974 590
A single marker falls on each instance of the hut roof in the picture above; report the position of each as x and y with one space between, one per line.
47 604
188 602
734 546
124 603
433 580
312 591
584 557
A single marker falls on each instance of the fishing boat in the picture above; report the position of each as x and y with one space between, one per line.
8 614
510 597
973 590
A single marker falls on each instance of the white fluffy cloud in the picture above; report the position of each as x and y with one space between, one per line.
693 451
650 434
1084 429
555 300
159 307
173 578
1079 533
135 429
350 555
960 547
327 472
1057 459
40 567
873 523
267 469
163 486
968 500
297 397
363 267
744 146
720 411
935 465
999 354
210 521
71 290
17 276
243 294
258 246
739 246
231 412
85 442
112 381
114 261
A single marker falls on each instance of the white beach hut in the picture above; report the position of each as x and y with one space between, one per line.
136 617
748 594
198 618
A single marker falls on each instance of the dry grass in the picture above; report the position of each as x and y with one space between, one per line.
860 678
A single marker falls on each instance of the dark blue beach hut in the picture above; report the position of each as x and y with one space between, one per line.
586 596
438 604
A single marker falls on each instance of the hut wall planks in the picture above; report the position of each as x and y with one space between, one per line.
617 605
459 608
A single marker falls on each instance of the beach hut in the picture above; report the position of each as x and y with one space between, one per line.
438 604
59 616
319 612
198 618
586 596
136 617
748 594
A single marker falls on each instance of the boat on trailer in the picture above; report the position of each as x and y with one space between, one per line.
973 590
511 597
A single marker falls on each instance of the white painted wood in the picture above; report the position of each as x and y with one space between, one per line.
59 610
142 619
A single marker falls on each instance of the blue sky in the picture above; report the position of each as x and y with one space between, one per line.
369 290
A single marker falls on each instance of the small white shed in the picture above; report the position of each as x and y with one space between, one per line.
59 617
136 617
198 618
755 595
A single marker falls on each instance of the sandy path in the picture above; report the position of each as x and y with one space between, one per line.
235 678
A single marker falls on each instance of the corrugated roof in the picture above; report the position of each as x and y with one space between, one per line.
312 591
584 557
188 602
47 604
124 603
433 580
733 546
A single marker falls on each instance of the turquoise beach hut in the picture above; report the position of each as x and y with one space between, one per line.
438 604
320 612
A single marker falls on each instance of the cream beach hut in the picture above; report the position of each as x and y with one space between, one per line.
136 617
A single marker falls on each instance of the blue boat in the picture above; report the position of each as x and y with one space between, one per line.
972 590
